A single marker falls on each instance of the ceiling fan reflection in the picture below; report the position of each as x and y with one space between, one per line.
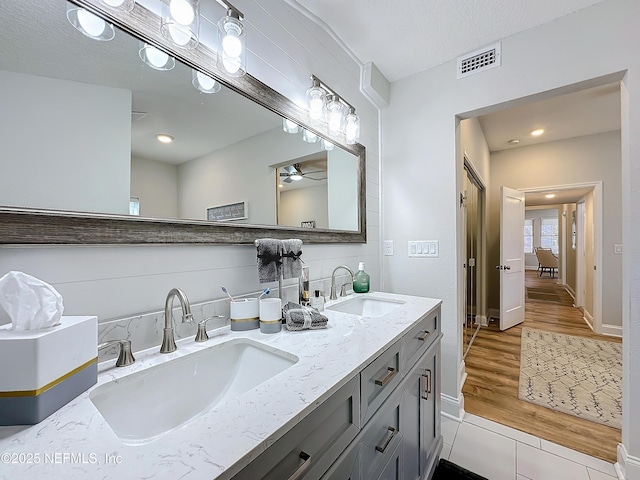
294 173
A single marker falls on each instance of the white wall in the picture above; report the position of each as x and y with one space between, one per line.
419 135
577 160
114 281
156 185
65 145
304 204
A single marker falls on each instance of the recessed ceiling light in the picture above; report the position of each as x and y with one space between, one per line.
550 195
164 138
538 132
513 141
280 185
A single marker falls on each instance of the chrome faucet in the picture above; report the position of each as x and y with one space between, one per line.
168 340
125 357
343 293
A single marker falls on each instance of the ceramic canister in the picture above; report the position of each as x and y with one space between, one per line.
270 315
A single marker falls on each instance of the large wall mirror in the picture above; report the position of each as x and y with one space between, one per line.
82 163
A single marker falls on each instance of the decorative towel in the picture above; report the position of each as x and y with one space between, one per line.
291 261
269 259
298 317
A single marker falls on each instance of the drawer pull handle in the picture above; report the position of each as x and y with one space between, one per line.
424 335
392 371
427 391
306 463
393 432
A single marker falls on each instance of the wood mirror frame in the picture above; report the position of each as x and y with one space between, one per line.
27 226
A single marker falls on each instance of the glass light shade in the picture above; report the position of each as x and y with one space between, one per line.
122 5
289 126
180 22
295 177
315 100
335 112
204 82
232 56
156 59
352 127
89 24
309 137
327 145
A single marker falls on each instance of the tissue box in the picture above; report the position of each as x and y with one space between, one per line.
42 370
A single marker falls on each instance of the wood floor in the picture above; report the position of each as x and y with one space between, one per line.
493 369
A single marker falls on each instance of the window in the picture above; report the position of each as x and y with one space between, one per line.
134 206
528 235
549 234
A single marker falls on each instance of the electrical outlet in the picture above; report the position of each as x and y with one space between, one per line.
388 247
617 249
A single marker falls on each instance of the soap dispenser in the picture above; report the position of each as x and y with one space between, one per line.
361 280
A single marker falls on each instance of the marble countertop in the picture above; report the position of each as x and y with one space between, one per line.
76 442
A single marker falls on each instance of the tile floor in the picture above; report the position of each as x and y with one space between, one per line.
499 452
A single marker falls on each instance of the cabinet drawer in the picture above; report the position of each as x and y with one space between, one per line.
380 437
418 339
347 467
393 468
310 447
378 380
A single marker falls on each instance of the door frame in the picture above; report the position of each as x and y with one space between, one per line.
598 244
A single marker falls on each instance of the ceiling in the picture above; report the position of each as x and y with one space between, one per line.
405 37
532 199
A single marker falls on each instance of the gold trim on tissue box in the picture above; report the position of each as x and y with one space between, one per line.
33 393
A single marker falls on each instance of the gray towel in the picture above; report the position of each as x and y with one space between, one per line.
269 259
291 262
298 317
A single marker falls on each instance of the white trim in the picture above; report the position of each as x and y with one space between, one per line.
462 374
570 291
612 330
588 318
452 407
627 467
494 313
482 320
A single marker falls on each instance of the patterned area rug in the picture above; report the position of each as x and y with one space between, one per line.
574 375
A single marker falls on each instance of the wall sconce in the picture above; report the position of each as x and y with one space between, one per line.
204 82
289 126
334 110
156 59
309 137
122 5
232 56
180 22
89 24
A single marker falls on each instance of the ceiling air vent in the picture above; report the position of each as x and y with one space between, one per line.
480 60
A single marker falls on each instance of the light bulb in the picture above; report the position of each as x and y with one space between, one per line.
295 177
114 3
179 34
231 64
315 107
352 127
232 45
309 137
90 23
327 145
206 81
289 126
182 12
156 57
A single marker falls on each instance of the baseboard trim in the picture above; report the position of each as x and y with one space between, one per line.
588 318
570 291
452 407
627 467
462 374
482 320
612 330
494 313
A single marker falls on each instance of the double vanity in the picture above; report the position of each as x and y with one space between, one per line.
359 399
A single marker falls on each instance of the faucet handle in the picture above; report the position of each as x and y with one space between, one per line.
202 335
343 289
125 357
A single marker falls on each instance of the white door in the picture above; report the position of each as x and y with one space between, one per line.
511 258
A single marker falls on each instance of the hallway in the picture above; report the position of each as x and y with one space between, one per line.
493 368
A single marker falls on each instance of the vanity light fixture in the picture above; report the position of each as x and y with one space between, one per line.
204 82
309 137
327 145
164 138
340 115
122 5
89 24
156 59
290 126
537 132
232 56
180 22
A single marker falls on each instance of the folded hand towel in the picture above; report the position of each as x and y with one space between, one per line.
298 317
291 262
269 259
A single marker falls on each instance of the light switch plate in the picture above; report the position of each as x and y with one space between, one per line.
388 247
617 249
424 248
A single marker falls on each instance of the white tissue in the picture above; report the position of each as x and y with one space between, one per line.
31 303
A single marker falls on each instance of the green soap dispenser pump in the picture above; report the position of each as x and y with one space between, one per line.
361 280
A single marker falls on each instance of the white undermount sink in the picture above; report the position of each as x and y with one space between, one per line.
368 306
145 405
